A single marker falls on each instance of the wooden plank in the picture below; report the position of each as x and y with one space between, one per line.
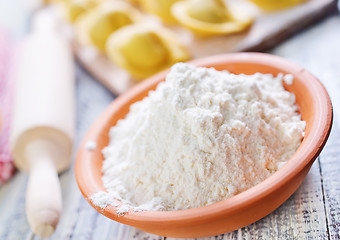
301 217
127 232
107 229
274 28
13 223
330 170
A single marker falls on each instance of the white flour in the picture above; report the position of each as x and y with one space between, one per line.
201 137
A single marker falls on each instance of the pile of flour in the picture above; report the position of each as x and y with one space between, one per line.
202 136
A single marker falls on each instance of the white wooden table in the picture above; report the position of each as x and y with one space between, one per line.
313 212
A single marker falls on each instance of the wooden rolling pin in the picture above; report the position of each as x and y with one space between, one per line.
43 124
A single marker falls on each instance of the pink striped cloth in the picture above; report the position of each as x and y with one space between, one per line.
6 93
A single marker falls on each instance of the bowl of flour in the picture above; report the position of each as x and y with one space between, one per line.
205 147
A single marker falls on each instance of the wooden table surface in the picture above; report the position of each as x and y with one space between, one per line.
313 212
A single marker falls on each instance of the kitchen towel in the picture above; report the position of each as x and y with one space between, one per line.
6 93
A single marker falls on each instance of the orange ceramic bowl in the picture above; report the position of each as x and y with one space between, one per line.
244 208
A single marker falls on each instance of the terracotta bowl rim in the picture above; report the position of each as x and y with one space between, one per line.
305 155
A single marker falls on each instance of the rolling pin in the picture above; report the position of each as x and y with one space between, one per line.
43 120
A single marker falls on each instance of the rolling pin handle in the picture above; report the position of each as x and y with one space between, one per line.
43 195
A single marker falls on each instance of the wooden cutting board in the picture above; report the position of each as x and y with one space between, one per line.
268 30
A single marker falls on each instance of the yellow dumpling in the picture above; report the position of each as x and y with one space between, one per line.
273 5
107 23
208 11
96 25
160 8
134 1
210 17
73 9
144 50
